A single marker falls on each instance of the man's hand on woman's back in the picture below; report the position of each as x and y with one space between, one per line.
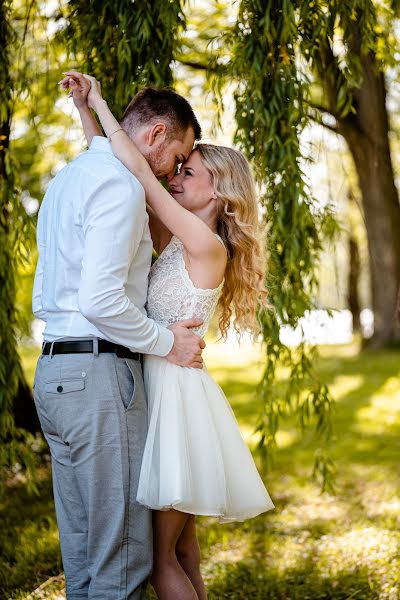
187 348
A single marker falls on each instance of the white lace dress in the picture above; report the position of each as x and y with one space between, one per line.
195 459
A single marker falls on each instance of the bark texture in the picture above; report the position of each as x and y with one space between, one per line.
367 135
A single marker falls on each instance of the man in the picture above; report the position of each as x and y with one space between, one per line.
90 288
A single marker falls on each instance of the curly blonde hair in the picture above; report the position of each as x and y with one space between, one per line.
239 228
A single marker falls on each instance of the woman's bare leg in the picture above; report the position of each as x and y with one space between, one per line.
188 554
169 579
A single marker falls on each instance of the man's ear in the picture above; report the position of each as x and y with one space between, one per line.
157 133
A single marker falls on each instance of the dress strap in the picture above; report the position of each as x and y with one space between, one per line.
219 238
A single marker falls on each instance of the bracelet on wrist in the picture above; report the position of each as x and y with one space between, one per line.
116 131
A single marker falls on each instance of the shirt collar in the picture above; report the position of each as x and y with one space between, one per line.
101 143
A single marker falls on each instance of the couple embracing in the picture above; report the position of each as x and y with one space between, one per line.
141 437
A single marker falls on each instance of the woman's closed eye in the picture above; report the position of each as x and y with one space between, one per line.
188 172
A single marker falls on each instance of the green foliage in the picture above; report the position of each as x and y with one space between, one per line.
270 117
333 39
15 451
281 58
288 62
42 138
138 47
125 45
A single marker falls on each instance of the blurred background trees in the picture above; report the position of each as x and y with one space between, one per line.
307 89
310 90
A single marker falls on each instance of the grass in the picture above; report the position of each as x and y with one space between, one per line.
311 546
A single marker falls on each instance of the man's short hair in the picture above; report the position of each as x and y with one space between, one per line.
151 104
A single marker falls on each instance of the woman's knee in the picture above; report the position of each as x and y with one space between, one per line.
167 528
188 553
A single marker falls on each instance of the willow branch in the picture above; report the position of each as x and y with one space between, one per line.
194 65
201 66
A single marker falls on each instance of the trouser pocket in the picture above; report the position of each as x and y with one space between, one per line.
126 382
64 386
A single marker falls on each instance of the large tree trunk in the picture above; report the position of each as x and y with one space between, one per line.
366 133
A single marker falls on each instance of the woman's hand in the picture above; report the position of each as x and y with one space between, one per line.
94 96
85 95
84 89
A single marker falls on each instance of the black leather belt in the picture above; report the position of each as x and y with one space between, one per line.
86 347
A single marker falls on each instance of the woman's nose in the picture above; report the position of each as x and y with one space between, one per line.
173 177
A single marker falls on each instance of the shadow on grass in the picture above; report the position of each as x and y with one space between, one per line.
311 547
242 581
362 433
254 569
371 370
307 526
28 539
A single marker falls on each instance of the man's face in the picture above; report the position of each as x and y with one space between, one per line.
165 155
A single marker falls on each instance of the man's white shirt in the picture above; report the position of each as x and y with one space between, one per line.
94 255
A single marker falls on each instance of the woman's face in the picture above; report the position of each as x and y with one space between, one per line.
193 186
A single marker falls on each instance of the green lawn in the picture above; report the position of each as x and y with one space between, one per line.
311 546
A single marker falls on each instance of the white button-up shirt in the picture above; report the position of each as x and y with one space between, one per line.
94 255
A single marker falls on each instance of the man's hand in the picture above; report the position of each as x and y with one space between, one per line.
84 89
187 348
78 86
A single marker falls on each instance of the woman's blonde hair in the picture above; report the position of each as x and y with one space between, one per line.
239 228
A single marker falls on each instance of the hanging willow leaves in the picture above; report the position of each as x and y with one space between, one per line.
281 58
296 60
14 230
131 45
270 116
125 44
343 51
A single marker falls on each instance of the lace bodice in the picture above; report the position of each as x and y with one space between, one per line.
172 296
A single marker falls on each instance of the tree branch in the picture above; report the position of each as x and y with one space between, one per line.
320 122
195 65
201 66
329 72
322 109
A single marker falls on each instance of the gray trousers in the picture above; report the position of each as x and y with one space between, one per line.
93 413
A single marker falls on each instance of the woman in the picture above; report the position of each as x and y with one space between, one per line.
206 235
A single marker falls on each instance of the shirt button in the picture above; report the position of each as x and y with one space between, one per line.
60 389
83 373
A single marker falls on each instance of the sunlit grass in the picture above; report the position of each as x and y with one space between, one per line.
320 546
311 546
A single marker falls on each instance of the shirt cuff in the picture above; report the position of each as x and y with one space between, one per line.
164 343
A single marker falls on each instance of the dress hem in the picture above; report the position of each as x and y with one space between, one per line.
223 518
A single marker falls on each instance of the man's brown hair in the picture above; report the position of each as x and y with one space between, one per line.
152 104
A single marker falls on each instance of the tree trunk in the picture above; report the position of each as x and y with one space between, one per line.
353 300
366 133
